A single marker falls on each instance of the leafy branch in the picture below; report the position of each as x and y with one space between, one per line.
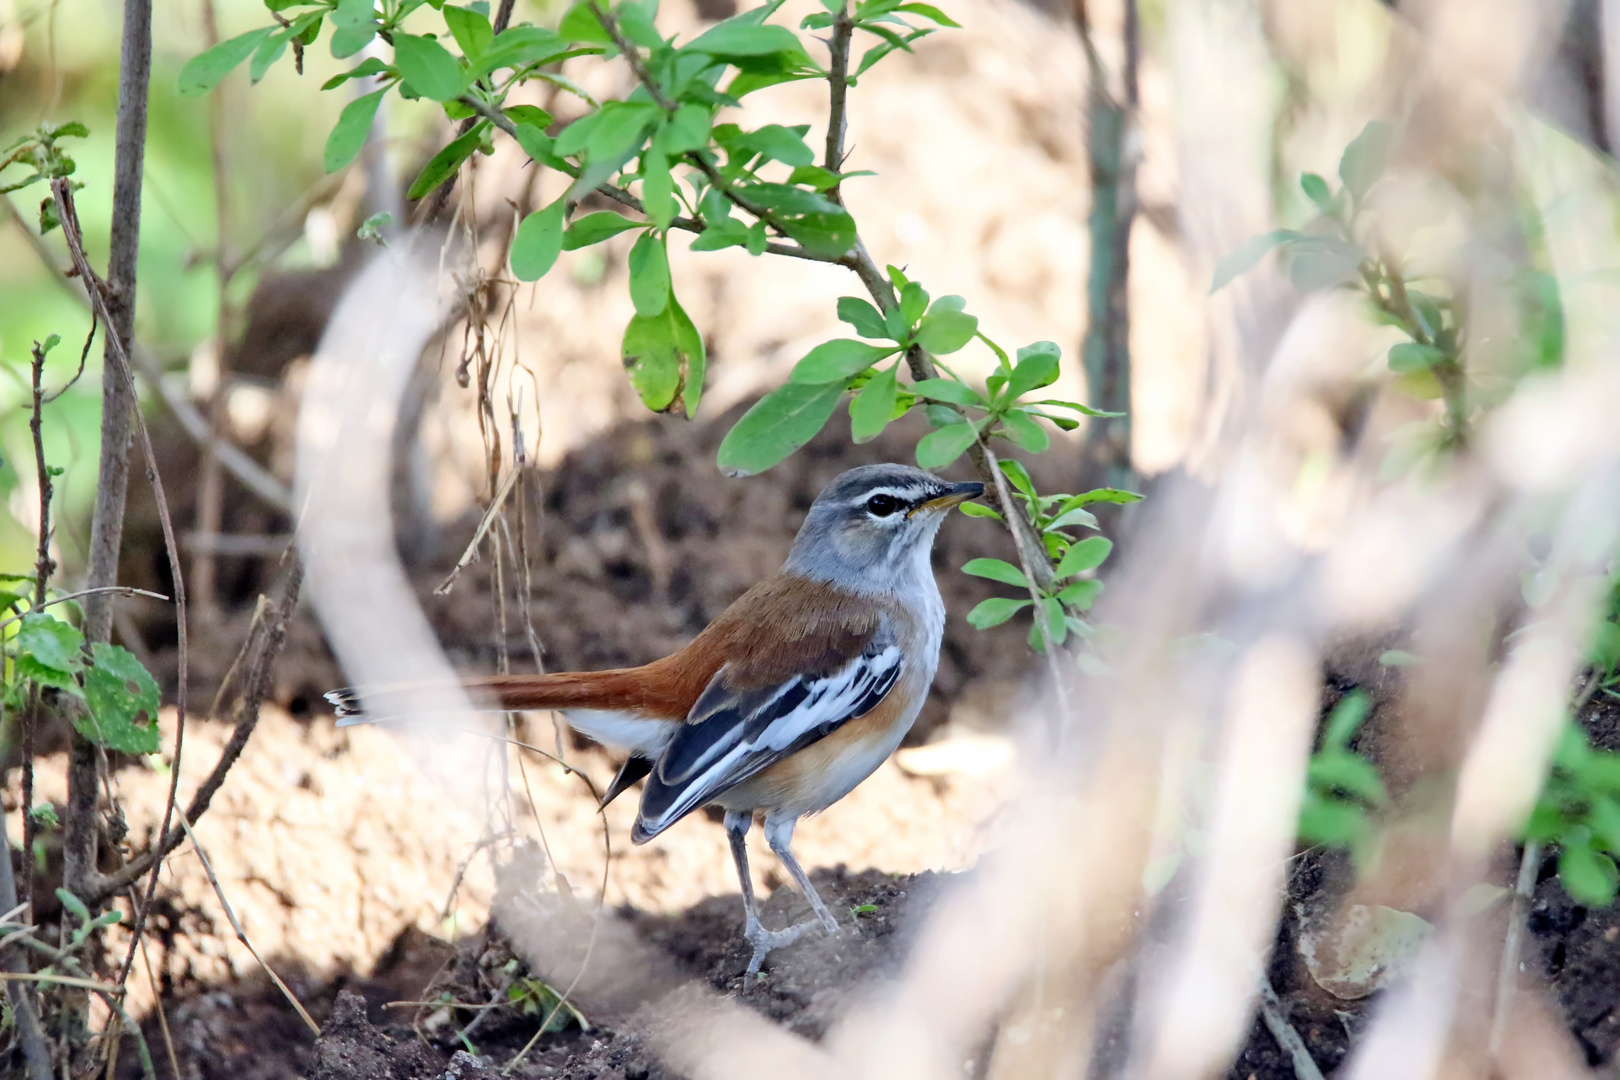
663 154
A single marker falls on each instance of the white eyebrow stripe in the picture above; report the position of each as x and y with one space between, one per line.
909 493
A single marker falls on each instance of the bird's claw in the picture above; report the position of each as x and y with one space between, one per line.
766 941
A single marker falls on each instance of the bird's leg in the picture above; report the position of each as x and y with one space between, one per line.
763 940
779 834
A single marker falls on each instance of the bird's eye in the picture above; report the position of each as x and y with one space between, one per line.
882 505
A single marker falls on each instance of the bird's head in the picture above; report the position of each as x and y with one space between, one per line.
874 525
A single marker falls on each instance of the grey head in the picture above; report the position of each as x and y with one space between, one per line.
872 528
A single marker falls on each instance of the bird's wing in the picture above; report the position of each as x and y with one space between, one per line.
733 734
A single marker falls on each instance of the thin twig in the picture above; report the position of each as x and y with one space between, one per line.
241 935
44 567
471 552
68 216
122 590
84 355
52 977
632 56
254 691
162 1014
1271 1011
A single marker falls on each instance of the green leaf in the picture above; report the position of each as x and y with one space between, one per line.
721 234
73 904
1588 876
48 651
1015 472
657 186
1604 819
1600 772
470 28
1117 496
778 424
664 354
581 24
1364 159
862 316
1084 410
538 242
1087 554
348 40
913 302
1073 516
929 11
1248 253
1333 822
533 115
1018 428
1081 595
1037 366
996 570
995 611
266 55
821 226
369 66
939 448
978 510
688 129
1316 190
838 360
873 407
349 133
521 46
1323 263
945 332
428 67
536 143
948 390
203 72
1340 770
620 128
444 164
1346 718
733 38
118 690
780 144
1409 356
649 275
597 227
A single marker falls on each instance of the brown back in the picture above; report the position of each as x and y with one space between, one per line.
784 626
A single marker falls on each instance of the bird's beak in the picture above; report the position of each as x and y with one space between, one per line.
959 493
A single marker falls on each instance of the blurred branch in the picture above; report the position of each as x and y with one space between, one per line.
1111 147
210 498
250 473
1276 1021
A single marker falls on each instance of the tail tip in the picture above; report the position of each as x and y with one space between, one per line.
346 701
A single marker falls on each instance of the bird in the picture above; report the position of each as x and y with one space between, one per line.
792 696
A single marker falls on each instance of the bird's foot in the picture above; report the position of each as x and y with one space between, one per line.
766 941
